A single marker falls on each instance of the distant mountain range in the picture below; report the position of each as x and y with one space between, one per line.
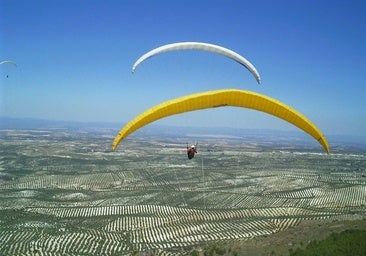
34 123
270 135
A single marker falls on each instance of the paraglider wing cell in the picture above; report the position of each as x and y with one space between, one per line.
226 97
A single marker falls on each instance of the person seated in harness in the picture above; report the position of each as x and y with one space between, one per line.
191 151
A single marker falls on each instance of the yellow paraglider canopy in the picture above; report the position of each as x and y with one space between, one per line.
221 98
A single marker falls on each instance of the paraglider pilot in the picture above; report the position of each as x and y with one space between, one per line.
191 151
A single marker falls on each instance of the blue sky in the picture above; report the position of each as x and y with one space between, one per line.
75 57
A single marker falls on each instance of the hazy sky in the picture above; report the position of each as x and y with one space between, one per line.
75 57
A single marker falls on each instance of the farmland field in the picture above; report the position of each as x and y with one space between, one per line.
64 192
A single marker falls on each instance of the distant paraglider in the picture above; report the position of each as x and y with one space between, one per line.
8 62
199 46
222 98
